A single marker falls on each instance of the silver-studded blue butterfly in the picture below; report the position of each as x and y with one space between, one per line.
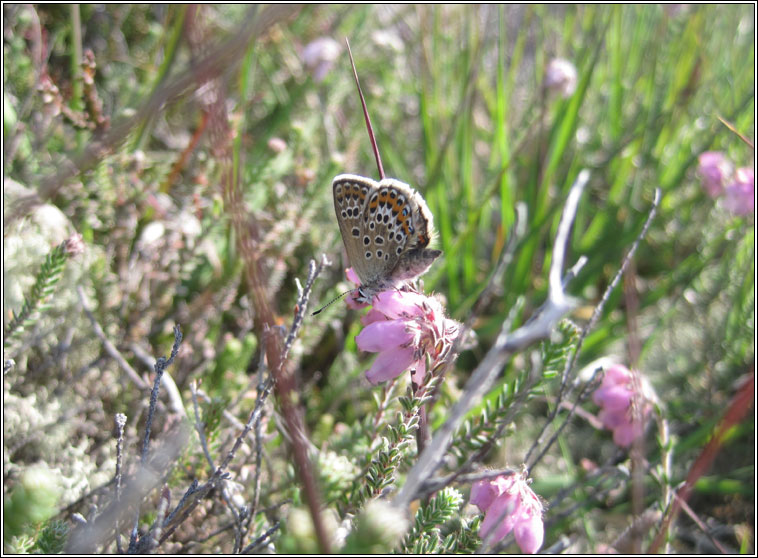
386 227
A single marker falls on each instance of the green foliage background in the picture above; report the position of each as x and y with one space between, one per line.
456 99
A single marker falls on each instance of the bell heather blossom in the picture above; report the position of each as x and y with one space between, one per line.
560 75
509 505
739 197
715 169
624 409
404 327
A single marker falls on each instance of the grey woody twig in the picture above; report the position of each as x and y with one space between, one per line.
160 366
120 426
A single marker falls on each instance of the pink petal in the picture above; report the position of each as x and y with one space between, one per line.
396 304
617 375
372 316
352 276
504 510
384 335
626 433
529 532
613 418
389 364
504 483
613 398
483 493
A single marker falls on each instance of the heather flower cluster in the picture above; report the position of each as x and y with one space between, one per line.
737 188
623 409
404 327
509 505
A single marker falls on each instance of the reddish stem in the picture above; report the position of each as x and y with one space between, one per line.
371 136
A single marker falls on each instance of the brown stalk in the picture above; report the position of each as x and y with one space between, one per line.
369 128
248 236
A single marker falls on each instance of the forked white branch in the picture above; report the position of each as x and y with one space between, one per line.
539 326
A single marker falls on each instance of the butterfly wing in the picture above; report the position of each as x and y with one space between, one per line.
385 227
351 196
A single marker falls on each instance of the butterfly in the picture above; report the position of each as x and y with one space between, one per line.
386 227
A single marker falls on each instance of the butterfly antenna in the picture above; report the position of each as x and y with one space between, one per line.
371 136
335 299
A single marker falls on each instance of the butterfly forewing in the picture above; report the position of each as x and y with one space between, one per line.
352 195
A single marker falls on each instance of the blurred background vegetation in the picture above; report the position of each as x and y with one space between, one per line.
122 149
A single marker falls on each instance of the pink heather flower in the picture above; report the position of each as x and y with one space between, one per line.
560 75
616 397
739 197
403 327
319 56
715 169
509 505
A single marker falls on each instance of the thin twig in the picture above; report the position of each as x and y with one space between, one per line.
731 127
98 531
199 426
150 542
702 526
588 387
172 390
258 445
487 294
120 426
302 303
254 415
160 366
109 347
260 540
